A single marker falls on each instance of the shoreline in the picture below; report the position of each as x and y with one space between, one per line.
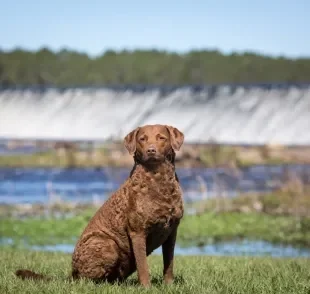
246 219
278 230
71 155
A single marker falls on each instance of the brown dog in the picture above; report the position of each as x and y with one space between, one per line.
143 214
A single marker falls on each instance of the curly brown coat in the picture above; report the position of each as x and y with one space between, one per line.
142 215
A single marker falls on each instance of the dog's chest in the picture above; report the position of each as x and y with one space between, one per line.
162 201
161 222
156 205
165 209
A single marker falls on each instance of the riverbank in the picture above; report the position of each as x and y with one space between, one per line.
224 275
115 155
195 230
282 217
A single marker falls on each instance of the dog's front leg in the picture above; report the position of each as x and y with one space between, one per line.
139 248
168 256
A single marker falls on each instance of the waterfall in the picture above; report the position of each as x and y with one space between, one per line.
229 114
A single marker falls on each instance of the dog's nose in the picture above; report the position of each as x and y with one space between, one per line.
151 150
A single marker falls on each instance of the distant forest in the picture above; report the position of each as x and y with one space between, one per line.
149 67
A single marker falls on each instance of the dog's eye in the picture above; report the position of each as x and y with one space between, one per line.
162 138
142 139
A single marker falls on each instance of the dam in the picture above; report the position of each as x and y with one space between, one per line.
226 114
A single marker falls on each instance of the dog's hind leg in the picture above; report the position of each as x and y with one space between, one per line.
97 259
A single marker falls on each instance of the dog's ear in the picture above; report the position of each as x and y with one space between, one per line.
176 137
130 141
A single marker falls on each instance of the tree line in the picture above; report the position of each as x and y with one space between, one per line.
154 67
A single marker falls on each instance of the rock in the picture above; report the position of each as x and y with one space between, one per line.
258 206
245 209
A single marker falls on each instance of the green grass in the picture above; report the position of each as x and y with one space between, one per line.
254 226
192 275
205 228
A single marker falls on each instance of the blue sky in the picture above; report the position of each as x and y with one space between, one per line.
274 27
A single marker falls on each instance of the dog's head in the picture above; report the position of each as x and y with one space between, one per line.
151 144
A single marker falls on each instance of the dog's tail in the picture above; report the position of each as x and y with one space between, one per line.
25 274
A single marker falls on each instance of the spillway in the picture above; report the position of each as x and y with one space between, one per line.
228 114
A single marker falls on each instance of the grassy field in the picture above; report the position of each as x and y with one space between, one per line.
194 229
192 275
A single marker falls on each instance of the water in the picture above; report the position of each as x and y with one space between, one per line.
233 114
37 185
231 248
26 185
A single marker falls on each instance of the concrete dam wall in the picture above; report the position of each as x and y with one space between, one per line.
229 114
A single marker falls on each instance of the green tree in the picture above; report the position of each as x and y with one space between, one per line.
150 67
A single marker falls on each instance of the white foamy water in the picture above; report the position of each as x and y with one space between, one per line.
226 114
